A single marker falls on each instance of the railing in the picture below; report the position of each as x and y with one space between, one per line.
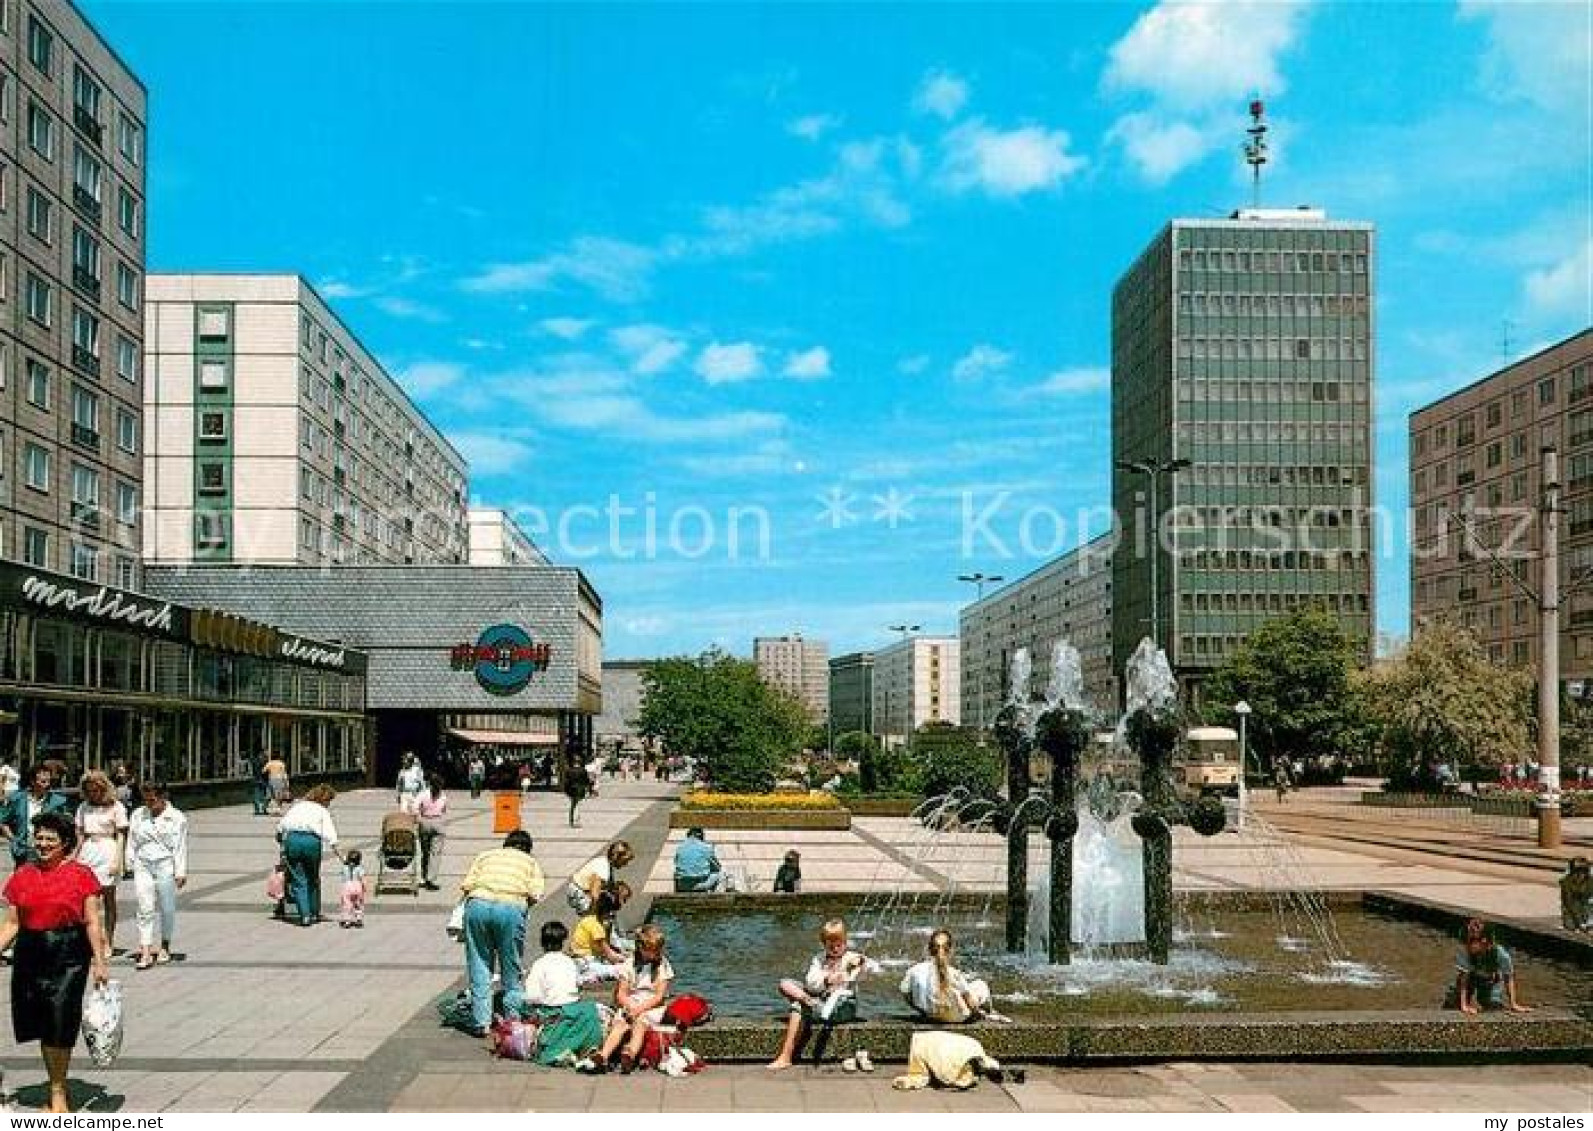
85 437
86 515
86 203
88 125
86 281
85 360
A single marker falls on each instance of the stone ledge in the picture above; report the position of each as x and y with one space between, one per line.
1402 1036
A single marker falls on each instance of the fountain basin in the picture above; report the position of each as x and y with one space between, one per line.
1237 985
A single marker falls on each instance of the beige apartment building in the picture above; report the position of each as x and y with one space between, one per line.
799 667
72 172
497 540
1475 465
275 437
1069 599
915 682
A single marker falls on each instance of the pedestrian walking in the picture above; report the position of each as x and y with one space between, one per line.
478 775
102 842
577 784
157 843
411 783
430 809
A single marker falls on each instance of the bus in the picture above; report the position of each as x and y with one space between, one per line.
1211 761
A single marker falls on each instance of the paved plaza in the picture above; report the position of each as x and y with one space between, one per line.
262 1016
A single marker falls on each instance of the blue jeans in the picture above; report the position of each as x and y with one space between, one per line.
259 796
301 852
494 930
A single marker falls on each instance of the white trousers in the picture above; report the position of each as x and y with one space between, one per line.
156 888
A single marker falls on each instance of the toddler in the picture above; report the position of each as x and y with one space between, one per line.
277 890
353 891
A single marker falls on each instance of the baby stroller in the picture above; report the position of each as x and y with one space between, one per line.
399 866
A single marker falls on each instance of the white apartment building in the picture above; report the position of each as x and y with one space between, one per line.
916 681
497 540
72 166
274 437
1069 598
799 667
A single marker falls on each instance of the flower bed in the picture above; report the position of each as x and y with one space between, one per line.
798 811
760 801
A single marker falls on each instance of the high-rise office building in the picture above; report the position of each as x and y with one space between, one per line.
1476 466
916 682
799 667
1069 598
72 153
1244 346
496 539
274 437
852 693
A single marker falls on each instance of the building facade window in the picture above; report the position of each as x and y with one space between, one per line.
129 139
85 332
126 286
85 92
41 131
212 478
85 414
85 489
213 376
212 426
41 45
38 300
126 358
38 385
126 431
36 547
40 216
127 212
126 503
85 562
36 467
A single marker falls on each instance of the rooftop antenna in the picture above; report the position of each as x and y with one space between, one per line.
1504 340
1256 149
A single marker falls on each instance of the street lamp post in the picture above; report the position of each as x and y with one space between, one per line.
1154 469
1242 709
906 630
981 580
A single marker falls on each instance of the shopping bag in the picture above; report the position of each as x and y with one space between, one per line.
102 1022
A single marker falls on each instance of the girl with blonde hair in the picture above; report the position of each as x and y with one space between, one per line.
938 991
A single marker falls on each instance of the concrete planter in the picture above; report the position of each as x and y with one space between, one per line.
881 806
796 820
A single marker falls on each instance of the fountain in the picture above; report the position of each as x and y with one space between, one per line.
1059 727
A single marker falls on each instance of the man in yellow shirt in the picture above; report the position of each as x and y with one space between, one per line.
500 888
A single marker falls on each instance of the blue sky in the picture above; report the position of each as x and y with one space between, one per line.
838 277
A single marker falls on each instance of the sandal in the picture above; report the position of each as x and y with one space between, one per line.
144 962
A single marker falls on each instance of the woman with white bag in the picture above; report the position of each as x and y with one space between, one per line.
157 841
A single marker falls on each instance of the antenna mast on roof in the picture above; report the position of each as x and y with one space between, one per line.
1256 149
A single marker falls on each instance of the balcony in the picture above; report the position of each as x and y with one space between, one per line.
86 515
85 437
86 203
86 281
85 360
1581 394
88 125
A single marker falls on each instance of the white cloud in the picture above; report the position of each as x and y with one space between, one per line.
337 288
1564 288
981 361
1193 56
409 309
1158 148
1070 382
629 417
649 349
613 268
915 364
768 457
1542 52
647 625
567 328
812 127
941 93
1006 162
726 364
491 453
427 378
808 364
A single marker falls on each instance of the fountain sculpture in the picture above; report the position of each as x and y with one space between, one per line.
1059 727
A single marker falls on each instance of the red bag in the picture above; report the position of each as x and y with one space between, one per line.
688 1011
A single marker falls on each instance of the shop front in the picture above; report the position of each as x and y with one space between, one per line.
94 675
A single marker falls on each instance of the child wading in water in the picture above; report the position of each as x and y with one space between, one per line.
353 891
827 993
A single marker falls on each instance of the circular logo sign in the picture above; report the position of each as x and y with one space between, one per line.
503 659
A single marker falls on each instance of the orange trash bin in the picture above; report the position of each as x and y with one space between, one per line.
506 811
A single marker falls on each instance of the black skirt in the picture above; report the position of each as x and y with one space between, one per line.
47 984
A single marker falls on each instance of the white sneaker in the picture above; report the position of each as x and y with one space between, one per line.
864 1063
849 1064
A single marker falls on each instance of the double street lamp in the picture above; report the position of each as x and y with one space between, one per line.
1154 469
981 580
1243 710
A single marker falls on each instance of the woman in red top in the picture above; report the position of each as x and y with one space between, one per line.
55 918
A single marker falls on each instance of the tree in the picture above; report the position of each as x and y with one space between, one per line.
1294 671
715 710
1442 699
945 757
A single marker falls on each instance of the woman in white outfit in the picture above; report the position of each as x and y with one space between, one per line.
411 783
102 841
157 840
939 991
